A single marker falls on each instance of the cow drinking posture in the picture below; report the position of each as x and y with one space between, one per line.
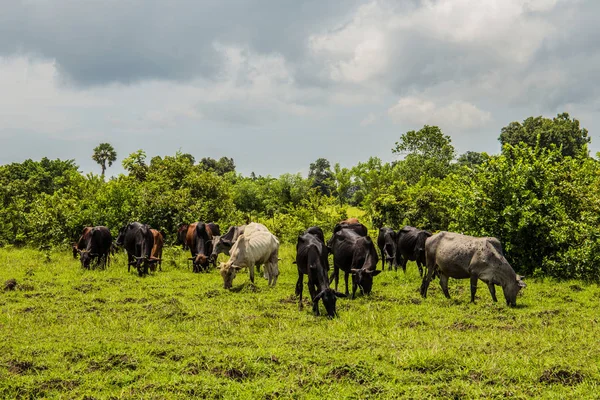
411 247
94 246
386 241
312 260
138 241
199 240
253 248
157 248
463 257
354 254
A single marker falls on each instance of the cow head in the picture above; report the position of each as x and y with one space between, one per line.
85 256
121 237
199 262
329 297
364 278
512 290
228 272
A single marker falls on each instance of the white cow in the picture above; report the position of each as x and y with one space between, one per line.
254 247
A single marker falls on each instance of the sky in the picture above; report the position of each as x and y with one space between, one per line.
277 84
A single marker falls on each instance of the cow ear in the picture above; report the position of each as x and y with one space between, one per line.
236 267
339 294
374 273
355 271
294 262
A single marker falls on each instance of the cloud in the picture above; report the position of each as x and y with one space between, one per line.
456 116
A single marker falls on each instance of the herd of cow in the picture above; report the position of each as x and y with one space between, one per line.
445 255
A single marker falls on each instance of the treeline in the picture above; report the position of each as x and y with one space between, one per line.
539 196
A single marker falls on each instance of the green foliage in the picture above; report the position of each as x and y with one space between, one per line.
561 131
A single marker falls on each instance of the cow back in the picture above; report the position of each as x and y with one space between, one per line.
252 248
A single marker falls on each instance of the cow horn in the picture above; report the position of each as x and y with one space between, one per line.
318 297
191 259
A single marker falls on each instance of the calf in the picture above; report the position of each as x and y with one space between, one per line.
356 255
312 260
467 257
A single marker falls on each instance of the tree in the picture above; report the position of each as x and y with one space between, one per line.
136 165
562 132
221 167
472 159
104 153
427 152
321 175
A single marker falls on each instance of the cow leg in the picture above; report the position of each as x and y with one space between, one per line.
354 287
129 261
420 268
492 288
426 280
404 262
444 285
251 267
299 287
473 287
335 276
313 294
346 274
382 259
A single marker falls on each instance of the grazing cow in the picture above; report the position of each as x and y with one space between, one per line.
80 244
386 241
199 240
253 248
95 246
222 244
354 254
157 248
463 257
181 235
351 224
411 246
312 260
138 241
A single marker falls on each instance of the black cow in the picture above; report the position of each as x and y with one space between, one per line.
312 260
357 227
199 240
138 241
356 255
94 246
181 234
411 246
386 241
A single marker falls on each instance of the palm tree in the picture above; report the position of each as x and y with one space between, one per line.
102 153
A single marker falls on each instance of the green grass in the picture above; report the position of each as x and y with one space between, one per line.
69 333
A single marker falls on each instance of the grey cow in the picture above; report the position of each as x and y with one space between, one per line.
463 257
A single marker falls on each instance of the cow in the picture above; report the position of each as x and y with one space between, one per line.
199 241
223 244
138 241
95 245
157 248
80 244
410 246
467 257
356 255
312 260
253 248
386 241
181 235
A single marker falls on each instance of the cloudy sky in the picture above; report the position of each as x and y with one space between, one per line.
278 84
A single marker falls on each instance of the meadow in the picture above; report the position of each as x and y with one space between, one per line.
72 333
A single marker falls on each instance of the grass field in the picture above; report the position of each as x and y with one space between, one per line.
69 333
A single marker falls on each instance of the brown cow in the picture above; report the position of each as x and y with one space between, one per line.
199 240
156 254
82 242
